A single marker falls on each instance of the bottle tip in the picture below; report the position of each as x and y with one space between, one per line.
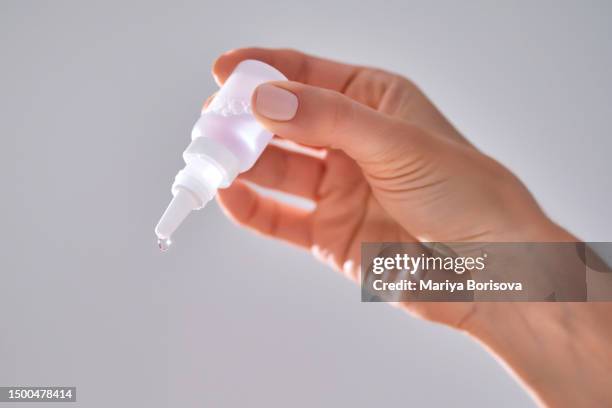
181 205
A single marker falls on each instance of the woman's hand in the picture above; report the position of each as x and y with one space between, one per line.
395 169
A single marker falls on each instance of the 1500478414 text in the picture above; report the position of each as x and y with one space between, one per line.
37 394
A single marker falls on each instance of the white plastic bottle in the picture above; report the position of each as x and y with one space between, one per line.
226 141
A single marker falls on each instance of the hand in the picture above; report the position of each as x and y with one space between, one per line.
395 169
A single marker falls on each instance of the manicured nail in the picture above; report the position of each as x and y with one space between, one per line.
275 103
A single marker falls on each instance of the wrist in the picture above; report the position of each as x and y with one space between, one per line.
560 351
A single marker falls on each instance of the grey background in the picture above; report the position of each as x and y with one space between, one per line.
97 100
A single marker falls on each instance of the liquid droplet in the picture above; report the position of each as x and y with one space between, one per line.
163 244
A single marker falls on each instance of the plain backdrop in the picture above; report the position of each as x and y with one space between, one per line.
97 100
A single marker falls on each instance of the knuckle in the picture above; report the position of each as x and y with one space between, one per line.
342 112
402 81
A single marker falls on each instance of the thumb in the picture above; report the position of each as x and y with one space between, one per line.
324 118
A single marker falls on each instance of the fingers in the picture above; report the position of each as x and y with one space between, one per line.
265 215
320 117
286 171
208 101
295 65
381 90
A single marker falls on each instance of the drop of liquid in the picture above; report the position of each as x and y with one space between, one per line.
163 244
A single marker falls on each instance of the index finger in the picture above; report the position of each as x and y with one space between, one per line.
295 65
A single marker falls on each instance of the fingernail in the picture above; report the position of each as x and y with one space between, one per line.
275 103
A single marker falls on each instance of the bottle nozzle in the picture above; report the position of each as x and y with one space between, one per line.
181 205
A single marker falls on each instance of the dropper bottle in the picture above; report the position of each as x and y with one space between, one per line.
225 141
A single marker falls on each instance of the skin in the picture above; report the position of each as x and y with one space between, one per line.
394 169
